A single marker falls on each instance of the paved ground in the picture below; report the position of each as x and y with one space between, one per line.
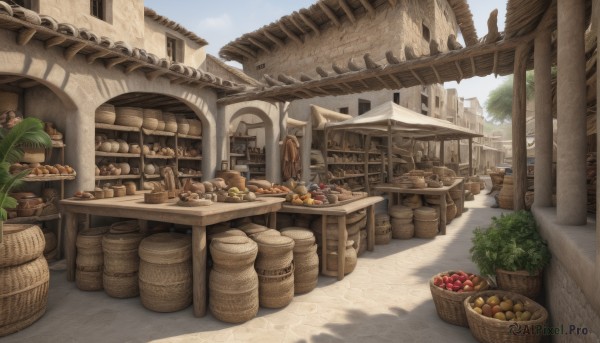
386 299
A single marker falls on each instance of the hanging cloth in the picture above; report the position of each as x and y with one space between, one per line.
291 165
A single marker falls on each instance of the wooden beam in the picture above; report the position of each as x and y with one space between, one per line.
28 84
234 49
473 68
385 84
259 44
178 80
273 38
396 80
246 49
54 41
25 36
132 99
519 121
460 72
347 10
289 33
162 102
133 67
495 67
437 75
309 23
114 61
91 58
364 83
150 76
329 13
296 24
9 79
71 51
414 73
367 5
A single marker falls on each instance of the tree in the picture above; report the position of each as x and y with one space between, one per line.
500 100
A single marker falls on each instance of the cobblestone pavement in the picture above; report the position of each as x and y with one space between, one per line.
386 299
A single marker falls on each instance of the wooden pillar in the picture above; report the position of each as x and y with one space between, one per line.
596 21
390 159
571 109
519 118
442 153
470 156
544 139
458 148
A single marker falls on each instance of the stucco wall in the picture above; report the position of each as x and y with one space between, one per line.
390 29
155 41
127 18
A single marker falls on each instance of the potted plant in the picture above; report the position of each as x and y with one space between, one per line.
512 250
24 274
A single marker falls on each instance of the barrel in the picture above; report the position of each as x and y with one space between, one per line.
306 260
505 198
233 282
275 270
165 276
121 264
402 228
427 221
90 259
383 234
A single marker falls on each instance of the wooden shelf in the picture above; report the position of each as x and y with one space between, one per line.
58 145
153 176
158 133
352 163
159 157
250 138
347 176
116 154
48 178
346 151
180 135
34 219
117 127
189 158
236 155
255 163
117 177
190 175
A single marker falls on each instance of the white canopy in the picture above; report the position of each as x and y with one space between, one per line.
402 121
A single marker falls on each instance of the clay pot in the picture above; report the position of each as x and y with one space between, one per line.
135 149
125 168
150 169
123 146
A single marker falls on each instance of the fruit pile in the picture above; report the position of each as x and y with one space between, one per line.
505 309
275 189
318 194
38 169
460 282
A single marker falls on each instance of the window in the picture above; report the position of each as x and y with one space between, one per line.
363 106
426 34
437 102
260 66
174 49
97 9
397 98
343 110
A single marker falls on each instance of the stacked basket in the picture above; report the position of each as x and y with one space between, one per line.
105 114
183 126
354 223
402 222
350 259
170 122
165 276
151 119
426 221
505 198
195 127
233 282
121 264
306 260
129 116
332 235
90 259
275 269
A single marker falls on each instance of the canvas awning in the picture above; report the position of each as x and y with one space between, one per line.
403 121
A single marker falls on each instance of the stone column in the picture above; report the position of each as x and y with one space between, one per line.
544 140
222 135
571 107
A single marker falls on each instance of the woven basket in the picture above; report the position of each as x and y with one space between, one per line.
33 155
119 191
401 212
426 228
433 199
252 228
23 294
88 281
519 282
403 231
233 297
382 218
275 255
90 259
165 287
121 286
447 181
22 243
491 330
156 198
350 260
449 305
9 101
121 253
233 253
127 226
105 114
276 291
109 193
413 201
383 234
354 217
475 188
228 233
151 117
195 127
455 193
425 213
129 116
451 211
304 239
306 270
170 122
505 201
183 126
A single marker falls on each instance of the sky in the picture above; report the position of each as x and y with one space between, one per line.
220 22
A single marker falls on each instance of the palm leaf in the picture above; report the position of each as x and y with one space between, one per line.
29 132
12 182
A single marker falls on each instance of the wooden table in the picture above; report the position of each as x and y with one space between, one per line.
441 192
340 212
197 217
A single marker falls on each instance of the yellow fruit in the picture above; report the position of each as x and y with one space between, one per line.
479 302
518 315
509 315
505 306
493 301
486 310
478 310
496 309
526 316
518 307
500 316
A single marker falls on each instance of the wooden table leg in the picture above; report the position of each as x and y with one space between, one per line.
462 196
324 244
371 228
273 220
199 269
342 238
70 248
143 224
443 214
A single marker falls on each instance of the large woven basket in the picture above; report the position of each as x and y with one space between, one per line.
275 255
233 296
170 122
165 287
183 126
475 188
425 213
233 253
350 260
304 239
121 253
22 243
129 116
426 228
402 230
226 233
151 117
306 270
449 305
276 291
520 282
105 114
23 294
127 226
195 127
401 212
383 234
121 285
251 228
382 218
491 330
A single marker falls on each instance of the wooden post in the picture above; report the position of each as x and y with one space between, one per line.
199 270
458 148
366 143
519 114
390 159
71 230
442 153
470 157
342 238
371 227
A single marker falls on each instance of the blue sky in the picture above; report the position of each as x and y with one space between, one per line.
220 22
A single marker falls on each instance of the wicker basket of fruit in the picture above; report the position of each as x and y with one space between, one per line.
449 290
499 316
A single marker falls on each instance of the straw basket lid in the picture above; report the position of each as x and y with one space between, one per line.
267 241
381 217
91 237
233 246
426 213
128 226
400 211
251 228
121 241
269 232
22 243
105 113
302 237
166 248
226 233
